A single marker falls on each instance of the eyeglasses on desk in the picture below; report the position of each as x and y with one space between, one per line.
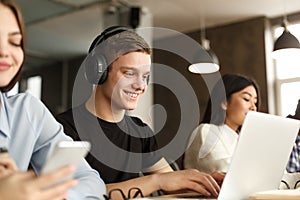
132 193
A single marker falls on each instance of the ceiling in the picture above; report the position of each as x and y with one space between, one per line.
60 29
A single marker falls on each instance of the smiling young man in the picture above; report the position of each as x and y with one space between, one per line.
126 82
123 147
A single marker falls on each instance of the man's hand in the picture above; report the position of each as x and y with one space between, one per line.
219 177
189 179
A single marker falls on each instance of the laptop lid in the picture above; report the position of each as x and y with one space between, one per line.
261 155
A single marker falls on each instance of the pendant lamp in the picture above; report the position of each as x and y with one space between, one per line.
204 64
287 45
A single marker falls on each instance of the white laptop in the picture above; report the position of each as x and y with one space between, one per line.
261 155
260 158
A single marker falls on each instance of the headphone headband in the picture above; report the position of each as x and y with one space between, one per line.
109 32
96 63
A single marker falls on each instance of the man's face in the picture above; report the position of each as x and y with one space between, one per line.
127 80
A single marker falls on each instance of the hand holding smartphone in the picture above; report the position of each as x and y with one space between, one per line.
66 153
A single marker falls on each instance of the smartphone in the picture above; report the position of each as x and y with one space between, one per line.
66 153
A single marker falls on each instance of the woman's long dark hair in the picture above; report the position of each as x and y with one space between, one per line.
221 93
17 12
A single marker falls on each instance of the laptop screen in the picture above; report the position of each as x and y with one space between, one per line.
261 155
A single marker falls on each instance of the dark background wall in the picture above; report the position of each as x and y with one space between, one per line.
51 84
240 48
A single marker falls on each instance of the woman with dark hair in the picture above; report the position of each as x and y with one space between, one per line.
213 142
28 131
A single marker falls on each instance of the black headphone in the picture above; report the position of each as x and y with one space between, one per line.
96 66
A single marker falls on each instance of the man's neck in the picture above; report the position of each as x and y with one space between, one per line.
102 109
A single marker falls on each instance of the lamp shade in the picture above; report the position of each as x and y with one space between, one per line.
286 45
206 61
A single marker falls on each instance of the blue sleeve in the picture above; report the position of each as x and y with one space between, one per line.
90 185
49 132
293 165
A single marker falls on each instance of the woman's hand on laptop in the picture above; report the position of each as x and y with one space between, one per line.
189 179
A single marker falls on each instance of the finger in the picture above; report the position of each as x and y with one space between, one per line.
207 182
211 185
197 182
28 175
3 150
52 177
4 172
199 187
218 173
8 163
2 168
4 155
219 177
58 191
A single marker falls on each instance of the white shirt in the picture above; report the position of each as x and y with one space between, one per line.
210 148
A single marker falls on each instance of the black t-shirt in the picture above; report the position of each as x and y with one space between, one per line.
119 150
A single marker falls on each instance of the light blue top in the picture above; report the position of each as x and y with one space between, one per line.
29 131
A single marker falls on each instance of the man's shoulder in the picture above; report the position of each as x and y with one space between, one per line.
67 115
66 119
136 120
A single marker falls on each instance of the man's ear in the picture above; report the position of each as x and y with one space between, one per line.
224 105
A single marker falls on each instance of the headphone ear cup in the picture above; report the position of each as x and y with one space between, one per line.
147 80
103 77
95 68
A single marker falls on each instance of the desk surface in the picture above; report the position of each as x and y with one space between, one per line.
266 195
183 196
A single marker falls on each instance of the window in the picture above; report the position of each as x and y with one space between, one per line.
287 78
34 86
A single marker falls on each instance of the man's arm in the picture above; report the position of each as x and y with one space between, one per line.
164 178
189 179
